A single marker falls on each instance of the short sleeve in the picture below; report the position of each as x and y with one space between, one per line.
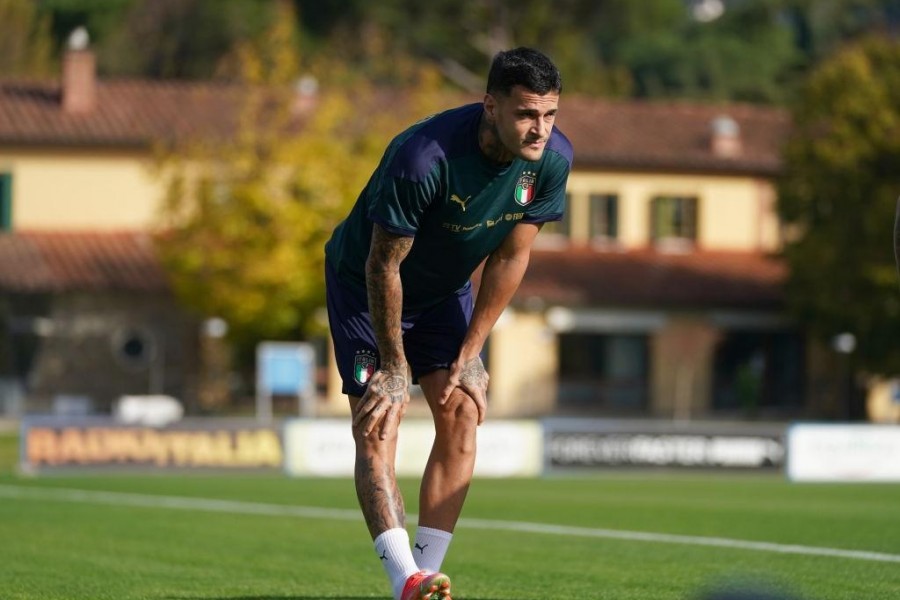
551 192
407 186
398 204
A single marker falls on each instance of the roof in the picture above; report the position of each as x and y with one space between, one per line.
647 279
627 135
128 113
671 135
642 135
40 262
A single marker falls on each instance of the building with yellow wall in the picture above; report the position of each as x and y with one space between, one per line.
658 295
86 313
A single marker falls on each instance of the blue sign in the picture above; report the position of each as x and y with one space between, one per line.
286 368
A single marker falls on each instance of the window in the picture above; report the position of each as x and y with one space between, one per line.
755 371
5 202
603 371
604 217
674 218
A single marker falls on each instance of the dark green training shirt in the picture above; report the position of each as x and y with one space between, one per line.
435 184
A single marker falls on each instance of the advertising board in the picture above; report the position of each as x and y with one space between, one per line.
595 443
325 447
841 452
51 443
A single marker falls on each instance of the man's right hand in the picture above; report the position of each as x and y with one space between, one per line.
383 404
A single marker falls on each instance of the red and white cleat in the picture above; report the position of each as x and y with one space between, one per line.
426 586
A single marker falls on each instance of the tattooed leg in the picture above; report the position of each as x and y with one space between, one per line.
376 484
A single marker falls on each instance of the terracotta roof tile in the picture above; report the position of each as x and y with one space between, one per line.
38 262
670 135
128 113
645 279
606 134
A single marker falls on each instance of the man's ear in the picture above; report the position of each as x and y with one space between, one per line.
490 106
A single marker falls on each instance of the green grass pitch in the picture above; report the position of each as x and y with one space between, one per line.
163 537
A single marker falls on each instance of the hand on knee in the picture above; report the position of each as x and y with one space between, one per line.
461 410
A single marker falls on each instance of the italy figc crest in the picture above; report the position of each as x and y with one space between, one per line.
363 366
525 188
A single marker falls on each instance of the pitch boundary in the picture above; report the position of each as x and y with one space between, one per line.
127 499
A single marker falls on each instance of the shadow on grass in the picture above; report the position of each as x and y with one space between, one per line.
282 598
268 598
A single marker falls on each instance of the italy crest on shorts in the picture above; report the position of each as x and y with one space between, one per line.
363 366
525 188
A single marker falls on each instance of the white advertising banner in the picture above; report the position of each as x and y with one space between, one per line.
324 447
843 453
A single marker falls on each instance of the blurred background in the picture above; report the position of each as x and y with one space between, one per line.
170 170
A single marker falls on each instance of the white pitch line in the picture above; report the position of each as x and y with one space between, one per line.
311 512
177 503
690 540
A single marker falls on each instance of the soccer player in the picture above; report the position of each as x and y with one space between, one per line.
465 185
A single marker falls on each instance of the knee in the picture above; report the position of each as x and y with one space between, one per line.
372 444
457 422
466 413
460 411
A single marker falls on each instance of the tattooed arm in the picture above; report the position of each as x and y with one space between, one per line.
503 271
387 394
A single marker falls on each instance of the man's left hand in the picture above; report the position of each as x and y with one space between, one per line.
470 376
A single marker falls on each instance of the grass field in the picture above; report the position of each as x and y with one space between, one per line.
602 536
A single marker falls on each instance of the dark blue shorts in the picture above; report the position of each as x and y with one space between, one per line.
431 338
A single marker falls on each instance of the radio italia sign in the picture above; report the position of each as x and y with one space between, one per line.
105 443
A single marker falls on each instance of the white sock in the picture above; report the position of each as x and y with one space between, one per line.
431 547
392 547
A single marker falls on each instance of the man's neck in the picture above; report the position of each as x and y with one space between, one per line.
489 142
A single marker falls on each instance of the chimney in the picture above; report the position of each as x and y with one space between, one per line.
79 75
726 137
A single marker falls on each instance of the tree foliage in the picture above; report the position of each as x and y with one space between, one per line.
165 39
25 41
754 51
842 181
747 54
245 219
822 26
182 39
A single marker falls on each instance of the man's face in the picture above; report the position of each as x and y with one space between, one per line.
522 121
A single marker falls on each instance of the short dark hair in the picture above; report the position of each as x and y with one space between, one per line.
526 67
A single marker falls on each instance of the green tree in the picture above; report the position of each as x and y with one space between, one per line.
101 18
842 179
245 219
653 48
182 39
746 54
823 26
26 45
460 37
160 39
753 51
